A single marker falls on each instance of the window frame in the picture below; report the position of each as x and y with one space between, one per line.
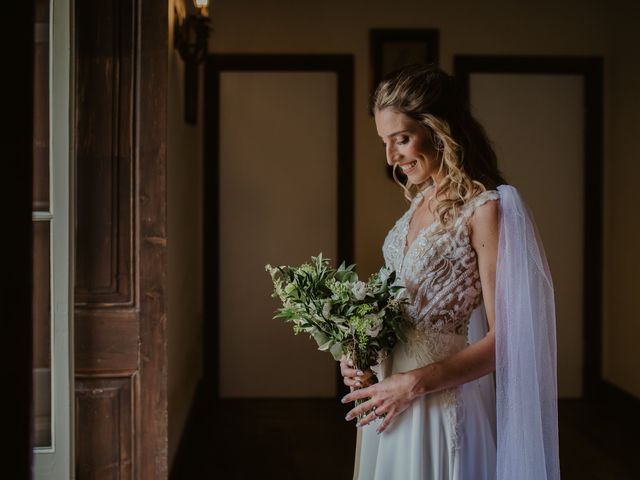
56 461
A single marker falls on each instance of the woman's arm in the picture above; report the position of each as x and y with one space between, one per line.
394 394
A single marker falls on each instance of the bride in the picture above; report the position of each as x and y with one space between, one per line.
471 394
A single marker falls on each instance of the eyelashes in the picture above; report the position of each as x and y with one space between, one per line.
403 141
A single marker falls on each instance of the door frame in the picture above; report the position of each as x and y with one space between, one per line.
343 67
591 69
57 460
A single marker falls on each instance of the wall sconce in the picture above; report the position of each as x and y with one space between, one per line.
190 37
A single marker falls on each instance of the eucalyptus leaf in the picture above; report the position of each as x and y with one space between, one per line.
326 346
320 337
336 351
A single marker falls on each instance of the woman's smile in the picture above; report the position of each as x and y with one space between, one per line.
408 167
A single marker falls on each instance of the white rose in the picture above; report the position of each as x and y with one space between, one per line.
375 325
359 290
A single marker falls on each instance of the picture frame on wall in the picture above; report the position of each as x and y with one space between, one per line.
391 49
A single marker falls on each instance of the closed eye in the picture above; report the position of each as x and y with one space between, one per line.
402 141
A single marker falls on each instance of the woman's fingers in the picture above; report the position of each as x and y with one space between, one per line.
391 396
385 422
366 392
355 377
370 417
364 380
346 362
352 382
347 371
361 409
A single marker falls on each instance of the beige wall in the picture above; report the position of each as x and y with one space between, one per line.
517 110
622 220
184 191
469 27
281 221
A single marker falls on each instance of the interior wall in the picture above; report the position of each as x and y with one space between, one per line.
467 27
278 126
622 221
184 244
516 110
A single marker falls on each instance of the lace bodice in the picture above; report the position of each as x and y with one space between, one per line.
439 269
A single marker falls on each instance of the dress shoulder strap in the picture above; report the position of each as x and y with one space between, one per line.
480 199
483 198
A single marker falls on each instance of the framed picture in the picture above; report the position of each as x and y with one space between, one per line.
391 49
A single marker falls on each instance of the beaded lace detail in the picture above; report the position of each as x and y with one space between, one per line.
439 269
440 273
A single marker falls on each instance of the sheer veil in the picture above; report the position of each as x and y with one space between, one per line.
526 384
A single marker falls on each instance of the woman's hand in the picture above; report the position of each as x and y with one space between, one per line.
386 399
355 378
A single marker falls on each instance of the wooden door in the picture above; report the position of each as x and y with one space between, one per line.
120 52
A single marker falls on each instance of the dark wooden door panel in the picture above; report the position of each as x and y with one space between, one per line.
104 433
106 340
105 52
120 243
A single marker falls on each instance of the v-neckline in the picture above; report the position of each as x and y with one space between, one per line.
406 246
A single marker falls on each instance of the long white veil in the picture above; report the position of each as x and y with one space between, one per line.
526 384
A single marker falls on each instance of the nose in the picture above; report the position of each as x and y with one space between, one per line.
392 154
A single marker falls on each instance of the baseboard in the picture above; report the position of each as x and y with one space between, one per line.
619 398
617 394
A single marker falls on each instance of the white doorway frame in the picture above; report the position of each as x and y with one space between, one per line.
56 461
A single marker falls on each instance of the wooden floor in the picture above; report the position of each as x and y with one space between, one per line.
308 439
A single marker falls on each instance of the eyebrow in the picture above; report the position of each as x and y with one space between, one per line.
396 133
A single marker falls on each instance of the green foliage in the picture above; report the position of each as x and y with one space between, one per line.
341 313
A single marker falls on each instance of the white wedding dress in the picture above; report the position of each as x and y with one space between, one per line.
451 434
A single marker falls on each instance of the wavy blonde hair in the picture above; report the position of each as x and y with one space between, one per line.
430 96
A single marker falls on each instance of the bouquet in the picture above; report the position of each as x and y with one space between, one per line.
343 314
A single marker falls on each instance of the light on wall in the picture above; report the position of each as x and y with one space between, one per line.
190 38
201 4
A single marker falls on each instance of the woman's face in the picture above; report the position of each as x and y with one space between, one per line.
408 145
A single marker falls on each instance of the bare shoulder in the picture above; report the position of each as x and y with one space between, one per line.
484 224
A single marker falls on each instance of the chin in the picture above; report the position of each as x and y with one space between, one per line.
418 178
419 175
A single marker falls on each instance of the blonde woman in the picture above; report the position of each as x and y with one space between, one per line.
472 393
